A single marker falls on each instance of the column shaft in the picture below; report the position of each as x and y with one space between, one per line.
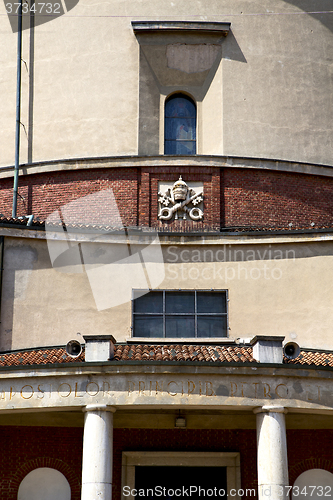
272 454
97 453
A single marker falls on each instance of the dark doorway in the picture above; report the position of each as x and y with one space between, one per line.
173 483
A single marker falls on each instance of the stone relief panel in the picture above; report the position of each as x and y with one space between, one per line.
180 200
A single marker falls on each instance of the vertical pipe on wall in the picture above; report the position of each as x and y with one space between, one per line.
31 97
2 246
18 108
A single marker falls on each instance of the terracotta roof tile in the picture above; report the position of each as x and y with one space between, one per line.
318 358
41 356
181 352
150 353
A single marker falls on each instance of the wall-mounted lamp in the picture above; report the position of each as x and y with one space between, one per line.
180 422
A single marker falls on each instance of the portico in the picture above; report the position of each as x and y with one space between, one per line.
151 395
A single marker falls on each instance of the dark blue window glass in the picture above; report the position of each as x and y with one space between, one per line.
180 126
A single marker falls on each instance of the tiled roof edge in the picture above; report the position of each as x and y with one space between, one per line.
175 354
29 349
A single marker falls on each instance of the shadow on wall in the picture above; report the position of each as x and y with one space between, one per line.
53 11
150 86
231 49
309 6
18 264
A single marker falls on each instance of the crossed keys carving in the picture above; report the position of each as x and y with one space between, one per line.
179 197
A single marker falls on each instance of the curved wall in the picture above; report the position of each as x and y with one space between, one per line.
92 89
281 283
256 196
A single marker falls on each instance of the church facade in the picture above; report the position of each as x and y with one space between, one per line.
166 278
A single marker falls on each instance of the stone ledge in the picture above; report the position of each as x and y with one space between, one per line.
163 161
180 26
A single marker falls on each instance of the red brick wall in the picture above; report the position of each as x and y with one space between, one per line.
260 197
26 448
310 449
232 196
45 193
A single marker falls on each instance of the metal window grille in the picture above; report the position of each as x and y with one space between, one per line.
179 313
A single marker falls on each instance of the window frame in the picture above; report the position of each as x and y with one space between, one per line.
175 95
164 314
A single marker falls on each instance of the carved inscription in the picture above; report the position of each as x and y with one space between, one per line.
263 390
260 390
172 388
64 390
228 389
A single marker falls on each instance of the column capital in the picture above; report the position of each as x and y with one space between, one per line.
99 408
270 409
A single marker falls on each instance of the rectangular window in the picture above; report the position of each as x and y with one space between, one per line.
179 314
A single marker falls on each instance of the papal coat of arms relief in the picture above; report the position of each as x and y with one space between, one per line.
180 200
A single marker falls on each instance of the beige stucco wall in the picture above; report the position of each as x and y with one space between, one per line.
86 84
276 286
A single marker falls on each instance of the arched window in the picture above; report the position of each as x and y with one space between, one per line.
180 125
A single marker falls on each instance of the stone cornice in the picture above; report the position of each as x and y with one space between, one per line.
162 387
168 161
184 239
180 27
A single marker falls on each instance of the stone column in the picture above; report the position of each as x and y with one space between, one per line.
97 453
272 453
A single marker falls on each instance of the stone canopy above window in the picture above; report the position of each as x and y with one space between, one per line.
180 26
186 47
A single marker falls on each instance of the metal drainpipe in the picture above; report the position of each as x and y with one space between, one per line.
2 247
18 108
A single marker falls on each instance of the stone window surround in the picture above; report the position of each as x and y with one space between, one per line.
230 460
